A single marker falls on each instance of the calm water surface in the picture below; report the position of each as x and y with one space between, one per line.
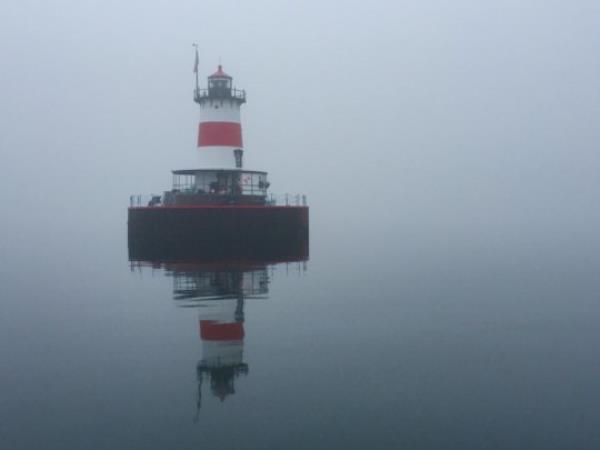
428 343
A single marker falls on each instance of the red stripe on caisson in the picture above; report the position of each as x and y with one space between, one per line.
227 134
211 330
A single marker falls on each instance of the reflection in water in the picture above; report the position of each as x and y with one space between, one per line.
219 288
222 335
193 282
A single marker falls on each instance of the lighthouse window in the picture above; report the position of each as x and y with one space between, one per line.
219 84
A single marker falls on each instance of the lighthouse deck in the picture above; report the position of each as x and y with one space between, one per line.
217 201
217 187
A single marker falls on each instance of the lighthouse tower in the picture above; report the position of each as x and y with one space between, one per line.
220 130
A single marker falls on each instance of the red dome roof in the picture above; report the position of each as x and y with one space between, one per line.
219 73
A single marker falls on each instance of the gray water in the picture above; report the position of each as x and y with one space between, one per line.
424 342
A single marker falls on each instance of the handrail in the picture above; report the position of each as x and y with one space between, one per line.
238 94
286 200
153 200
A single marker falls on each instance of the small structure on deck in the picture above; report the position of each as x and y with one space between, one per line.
217 187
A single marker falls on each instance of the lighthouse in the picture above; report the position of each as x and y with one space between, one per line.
220 130
219 204
219 285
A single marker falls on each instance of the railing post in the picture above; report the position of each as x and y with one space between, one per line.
286 200
304 200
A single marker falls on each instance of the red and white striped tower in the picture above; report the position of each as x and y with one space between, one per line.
220 130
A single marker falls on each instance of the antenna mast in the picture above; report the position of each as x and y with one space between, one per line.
196 62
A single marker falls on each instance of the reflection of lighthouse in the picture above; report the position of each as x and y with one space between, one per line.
222 335
217 282
219 291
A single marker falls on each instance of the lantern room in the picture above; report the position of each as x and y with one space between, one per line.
219 84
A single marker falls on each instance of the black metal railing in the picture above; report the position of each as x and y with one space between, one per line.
140 200
235 94
286 200
153 200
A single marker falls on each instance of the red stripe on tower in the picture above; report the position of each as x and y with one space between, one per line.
211 330
219 134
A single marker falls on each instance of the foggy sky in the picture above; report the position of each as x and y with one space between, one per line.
391 116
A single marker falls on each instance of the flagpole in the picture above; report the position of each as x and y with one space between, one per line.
196 68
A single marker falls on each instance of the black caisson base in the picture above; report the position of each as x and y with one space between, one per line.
265 233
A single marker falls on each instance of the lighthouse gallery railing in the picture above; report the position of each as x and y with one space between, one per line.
237 94
153 200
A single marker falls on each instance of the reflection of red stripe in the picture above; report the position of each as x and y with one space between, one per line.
211 330
227 134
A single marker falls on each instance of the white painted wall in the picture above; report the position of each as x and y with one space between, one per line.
220 111
216 157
